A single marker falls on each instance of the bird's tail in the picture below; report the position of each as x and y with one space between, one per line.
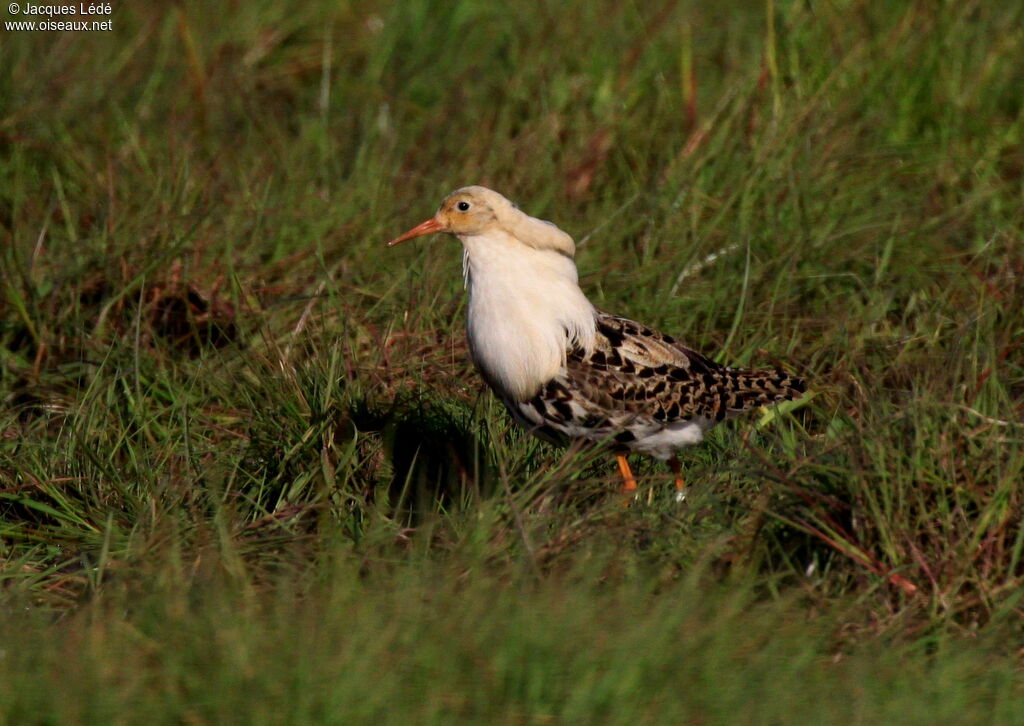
747 389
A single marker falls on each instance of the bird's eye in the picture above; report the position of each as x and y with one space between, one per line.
463 206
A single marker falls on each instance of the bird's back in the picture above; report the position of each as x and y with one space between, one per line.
644 391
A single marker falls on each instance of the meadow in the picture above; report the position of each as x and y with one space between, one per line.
248 474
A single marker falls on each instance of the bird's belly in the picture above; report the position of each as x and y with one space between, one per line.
666 442
638 433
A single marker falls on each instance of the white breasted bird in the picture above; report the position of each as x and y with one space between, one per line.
566 370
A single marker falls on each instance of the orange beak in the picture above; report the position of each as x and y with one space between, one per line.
429 227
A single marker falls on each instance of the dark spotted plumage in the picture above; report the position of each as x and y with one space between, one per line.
640 390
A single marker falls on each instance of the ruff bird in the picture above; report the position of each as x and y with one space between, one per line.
564 369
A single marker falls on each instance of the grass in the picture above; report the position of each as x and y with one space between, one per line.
248 475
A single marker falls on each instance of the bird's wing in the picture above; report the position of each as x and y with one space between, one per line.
637 371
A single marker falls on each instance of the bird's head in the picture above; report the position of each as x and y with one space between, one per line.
477 210
465 212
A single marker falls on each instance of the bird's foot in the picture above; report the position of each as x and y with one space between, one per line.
677 472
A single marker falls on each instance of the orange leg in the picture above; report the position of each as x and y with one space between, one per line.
677 471
628 480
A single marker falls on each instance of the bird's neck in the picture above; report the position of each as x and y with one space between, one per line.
526 310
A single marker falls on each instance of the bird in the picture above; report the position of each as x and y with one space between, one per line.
567 371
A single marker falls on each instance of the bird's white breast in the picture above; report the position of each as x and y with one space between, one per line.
525 310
